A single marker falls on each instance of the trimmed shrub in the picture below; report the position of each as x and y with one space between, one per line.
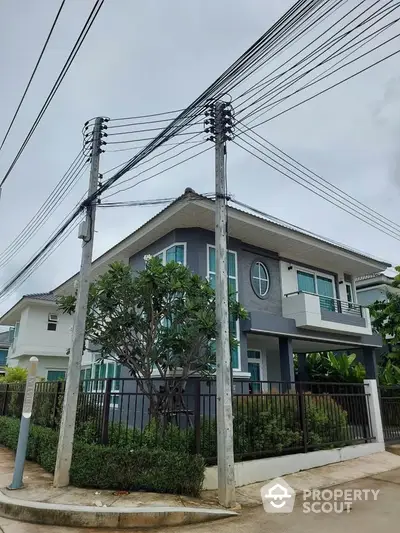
113 467
326 420
116 468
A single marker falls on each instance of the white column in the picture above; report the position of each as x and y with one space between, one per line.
374 412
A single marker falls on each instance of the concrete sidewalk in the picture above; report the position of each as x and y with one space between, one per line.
40 502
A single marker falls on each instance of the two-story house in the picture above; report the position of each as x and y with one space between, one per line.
298 288
373 287
39 329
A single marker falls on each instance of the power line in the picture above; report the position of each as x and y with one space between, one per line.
46 248
150 202
88 24
33 73
311 27
368 67
330 42
294 177
343 195
173 145
238 71
140 123
141 131
157 164
57 195
341 50
36 262
158 173
150 138
150 115
132 148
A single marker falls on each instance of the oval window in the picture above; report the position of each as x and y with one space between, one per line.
259 279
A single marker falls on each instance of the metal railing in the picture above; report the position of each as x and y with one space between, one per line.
390 412
333 304
270 417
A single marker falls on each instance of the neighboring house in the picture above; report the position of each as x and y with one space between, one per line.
298 288
38 328
4 345
373 287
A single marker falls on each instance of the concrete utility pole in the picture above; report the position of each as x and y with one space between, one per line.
86 233
226 465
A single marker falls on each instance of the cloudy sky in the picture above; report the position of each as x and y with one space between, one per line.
154 56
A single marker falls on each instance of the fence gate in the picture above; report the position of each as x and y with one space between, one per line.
390 409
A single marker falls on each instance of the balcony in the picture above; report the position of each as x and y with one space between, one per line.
326 314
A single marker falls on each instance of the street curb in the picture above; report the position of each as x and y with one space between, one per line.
106 517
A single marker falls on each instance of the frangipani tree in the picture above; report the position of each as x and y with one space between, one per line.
160 320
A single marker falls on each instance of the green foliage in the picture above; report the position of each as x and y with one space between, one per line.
14 374
119 468
326 420
386 317
113 467
269 424
389 370
340 368
396 279
161 318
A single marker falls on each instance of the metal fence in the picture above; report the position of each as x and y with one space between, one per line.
270 418
390 410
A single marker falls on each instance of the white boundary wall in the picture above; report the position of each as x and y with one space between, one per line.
258 470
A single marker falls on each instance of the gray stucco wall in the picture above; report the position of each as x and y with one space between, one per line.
196 240
343 318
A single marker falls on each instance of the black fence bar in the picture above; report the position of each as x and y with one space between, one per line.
390 410
270 417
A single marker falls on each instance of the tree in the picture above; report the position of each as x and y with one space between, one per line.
15 374
396 279
386 320
161 318
386 317
340 368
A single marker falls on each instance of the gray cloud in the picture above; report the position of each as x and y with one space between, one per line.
145 57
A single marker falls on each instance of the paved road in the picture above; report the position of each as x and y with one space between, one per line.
365 516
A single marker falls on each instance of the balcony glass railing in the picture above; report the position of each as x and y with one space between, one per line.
332 304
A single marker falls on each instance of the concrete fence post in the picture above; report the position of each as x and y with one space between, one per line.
374 409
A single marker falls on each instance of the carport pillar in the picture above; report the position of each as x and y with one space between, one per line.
286 360
369 357
303 375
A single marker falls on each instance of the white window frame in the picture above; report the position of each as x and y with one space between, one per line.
164 252
52 320
316 273
347 284
263 368
237 336
258 361
259 279
99 388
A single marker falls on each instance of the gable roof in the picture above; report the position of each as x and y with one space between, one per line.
43 296
12 315
192 210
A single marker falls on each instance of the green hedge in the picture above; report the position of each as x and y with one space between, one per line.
112 467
